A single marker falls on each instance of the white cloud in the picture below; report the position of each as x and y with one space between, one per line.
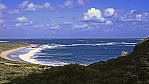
80 2
136 12
23 21
31 7
109 22
93 15
139 17
49 26
24 4
109 12
1 15
133 16
132 11
39 26
68 4
2 7
18 25
15 11
146 14
84 26
47 6
71 3
53 26
67 23
1 22
23 24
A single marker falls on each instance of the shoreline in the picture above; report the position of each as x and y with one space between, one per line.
26 58
7 54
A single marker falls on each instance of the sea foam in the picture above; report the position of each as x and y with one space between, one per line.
31 55
3 41
28 57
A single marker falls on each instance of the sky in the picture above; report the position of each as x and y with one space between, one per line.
27 19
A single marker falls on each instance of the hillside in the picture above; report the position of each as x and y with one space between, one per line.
130 69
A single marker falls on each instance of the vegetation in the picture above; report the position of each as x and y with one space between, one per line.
130 69
11 69
6 46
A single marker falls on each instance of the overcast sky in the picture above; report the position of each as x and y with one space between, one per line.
74 18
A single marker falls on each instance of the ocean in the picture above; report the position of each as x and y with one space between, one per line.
59 52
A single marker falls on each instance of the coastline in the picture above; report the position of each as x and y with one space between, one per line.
6 54
27 57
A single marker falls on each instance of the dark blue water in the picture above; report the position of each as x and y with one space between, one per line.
82 51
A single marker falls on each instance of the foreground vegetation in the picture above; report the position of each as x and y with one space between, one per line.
130 69
11 69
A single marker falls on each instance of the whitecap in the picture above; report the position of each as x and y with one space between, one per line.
97 44
81 40
3 41
53 63
128 43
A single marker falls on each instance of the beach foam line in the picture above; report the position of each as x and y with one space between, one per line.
28 56
53 63
3 41
129 43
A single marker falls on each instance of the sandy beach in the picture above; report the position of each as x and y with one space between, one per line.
6 54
